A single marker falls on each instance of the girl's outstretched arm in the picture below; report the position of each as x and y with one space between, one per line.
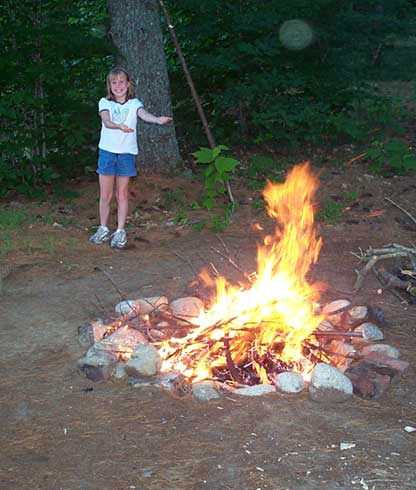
108 123
146 116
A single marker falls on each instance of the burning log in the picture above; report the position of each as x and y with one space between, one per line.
235 375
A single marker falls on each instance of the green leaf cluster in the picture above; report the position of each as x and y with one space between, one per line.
393 157
217 172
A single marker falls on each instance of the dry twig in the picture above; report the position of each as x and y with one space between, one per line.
122 295
234 264
401 209
187 261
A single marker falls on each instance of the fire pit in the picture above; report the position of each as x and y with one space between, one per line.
267 334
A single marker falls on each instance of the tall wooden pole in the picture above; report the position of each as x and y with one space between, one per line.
194 93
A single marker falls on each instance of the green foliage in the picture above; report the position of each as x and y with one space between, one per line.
260 166
181 217
61 193
51 75
6 245
12 218
255 89
392 157
351 196
258 204
49 245
330 211
217 172
265 92
219 223
173 198
199 226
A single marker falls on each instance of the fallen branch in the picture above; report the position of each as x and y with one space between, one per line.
390 251
401 209
393 281
358 157
122 295
392 291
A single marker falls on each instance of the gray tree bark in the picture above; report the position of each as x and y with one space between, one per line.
136 34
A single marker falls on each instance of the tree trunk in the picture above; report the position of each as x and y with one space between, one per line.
136 33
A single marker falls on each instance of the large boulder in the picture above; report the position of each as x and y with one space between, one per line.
329 385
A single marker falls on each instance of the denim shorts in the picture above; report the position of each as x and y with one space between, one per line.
117 164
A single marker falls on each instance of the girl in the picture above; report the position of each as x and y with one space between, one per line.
117 151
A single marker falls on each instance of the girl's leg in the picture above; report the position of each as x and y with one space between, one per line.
122 196
106 193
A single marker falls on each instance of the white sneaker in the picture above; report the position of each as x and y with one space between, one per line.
119 239
102 235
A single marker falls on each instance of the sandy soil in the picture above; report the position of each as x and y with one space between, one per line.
59 431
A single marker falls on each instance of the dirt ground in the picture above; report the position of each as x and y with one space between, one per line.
60 431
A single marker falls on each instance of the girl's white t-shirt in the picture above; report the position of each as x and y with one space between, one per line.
115 140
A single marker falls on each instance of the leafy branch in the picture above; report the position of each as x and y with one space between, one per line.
217 172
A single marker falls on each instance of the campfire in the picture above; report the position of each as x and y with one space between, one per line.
255 332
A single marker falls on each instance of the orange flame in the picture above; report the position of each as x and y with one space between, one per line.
273 315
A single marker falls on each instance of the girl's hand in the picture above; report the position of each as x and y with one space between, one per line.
162 120
125 128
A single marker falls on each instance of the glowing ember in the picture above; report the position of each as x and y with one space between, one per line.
261 327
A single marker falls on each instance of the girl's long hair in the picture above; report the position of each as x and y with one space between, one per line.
114 73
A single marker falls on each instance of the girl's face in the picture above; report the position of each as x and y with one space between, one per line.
119 86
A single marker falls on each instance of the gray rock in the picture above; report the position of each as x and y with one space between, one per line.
370 333
97 365
147 305
289 383
334 311
356 315
205 390
329 385
334 307
123 340
383 349
188 308
120 370
256 390
141 306
92 332
127 307
145 361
